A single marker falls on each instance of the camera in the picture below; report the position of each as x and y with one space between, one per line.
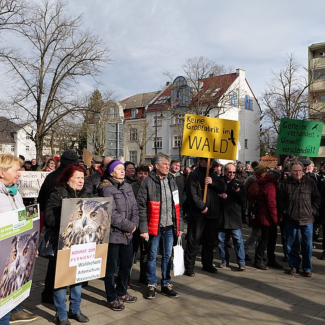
237 186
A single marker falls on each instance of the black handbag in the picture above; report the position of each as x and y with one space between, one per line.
49 245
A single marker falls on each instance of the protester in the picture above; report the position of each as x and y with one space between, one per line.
160 215
230 221
94 179
68 157
71 185
124 221
130 172
34 165
268 219
10 199
299 201
50 165
202 216
95 163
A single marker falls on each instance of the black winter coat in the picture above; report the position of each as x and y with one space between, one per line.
194 194
299 200
92 181
54 204
180 181
125 214
231 208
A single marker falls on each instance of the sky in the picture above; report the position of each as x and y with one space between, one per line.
147 38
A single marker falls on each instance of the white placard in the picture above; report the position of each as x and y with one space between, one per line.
89 270
82 253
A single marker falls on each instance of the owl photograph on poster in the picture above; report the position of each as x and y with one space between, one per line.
88 223
19 264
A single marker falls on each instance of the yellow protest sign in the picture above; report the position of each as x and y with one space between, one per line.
210 137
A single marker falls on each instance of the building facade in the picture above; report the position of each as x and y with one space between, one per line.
316 91
17 139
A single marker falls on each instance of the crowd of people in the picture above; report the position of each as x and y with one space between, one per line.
151 205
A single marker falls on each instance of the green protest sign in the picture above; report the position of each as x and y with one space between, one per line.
299 138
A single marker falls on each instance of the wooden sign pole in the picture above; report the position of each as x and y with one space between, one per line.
206 185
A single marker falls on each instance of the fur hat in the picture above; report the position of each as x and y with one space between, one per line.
260 169
68 157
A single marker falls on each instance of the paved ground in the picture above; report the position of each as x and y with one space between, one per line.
229 297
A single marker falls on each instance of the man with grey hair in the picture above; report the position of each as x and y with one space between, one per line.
160 216
299 201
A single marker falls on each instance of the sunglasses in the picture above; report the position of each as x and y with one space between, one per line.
231 172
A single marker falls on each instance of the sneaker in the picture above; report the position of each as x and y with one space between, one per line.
168 291
275 264
241 267
116 305
261 266
308 274
210 269
247 258
80 317
224 264
189 273
57 320
151 293
22 316
127 298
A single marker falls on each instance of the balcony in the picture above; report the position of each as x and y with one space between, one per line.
317 86
317 63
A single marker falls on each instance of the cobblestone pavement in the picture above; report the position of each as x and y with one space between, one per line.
229 297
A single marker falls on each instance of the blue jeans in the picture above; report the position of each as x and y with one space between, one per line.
5 320
238 245
167 248
293 247
123 254
74 298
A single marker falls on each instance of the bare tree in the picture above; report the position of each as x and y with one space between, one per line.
11 12
286 94
54 55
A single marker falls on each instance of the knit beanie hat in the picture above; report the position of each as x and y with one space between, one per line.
260 169
68 157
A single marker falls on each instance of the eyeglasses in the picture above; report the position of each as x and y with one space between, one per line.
231 172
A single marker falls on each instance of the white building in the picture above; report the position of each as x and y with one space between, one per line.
226 96
17 139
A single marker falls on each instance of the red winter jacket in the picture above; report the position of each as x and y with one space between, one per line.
148 199
267 214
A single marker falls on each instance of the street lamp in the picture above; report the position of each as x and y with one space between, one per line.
161 116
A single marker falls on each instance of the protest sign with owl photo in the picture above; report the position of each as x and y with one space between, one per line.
19 237
83 240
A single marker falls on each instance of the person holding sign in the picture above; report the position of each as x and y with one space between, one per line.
299 202
124 222
71 185
202 216
11 199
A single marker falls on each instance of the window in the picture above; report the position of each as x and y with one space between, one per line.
157 121
248 103
134 113
28 137
27 148
162 100
233 99
177 141
246 143
179 119
133 156
215 92
133 134
157 142
320 99
12 148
